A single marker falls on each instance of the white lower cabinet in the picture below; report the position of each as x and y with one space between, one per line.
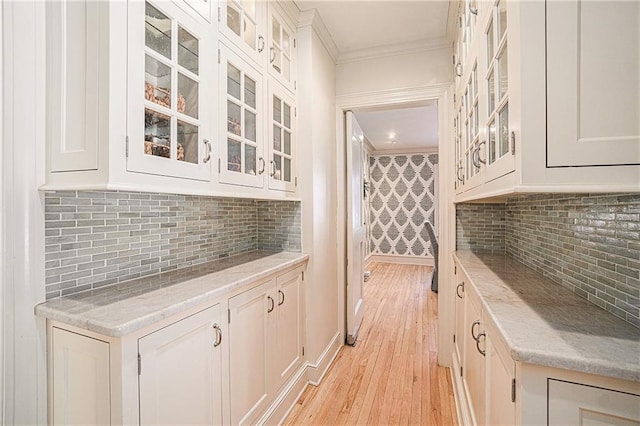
204 366
265 348
495 390
181 382
79 370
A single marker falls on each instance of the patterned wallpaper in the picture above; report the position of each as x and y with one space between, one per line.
98 238
402 199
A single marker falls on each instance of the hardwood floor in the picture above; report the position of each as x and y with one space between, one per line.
391 376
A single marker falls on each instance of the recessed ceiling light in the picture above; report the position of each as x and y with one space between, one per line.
392 135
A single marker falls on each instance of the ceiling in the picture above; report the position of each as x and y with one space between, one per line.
409 128
364 25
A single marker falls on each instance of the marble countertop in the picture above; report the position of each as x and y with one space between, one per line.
546 324
126 307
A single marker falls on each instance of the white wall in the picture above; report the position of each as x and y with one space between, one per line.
23 345
317 178
416 69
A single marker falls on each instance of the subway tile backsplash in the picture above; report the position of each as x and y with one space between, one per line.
589 243
481 228
97 238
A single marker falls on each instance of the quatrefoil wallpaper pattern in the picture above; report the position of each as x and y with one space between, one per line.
401 200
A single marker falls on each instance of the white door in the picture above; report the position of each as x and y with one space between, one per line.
355 227
180 372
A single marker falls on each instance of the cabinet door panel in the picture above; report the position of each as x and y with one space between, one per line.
288 344
577 404
248 351
593 85
474 364
282 139
180 377
80 379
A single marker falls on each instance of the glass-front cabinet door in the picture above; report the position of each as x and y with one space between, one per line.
242 23
168 131
281 49
282 144
499 150
241 110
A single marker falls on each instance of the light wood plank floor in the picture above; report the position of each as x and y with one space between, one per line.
391 376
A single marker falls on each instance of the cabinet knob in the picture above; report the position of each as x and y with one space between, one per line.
218 331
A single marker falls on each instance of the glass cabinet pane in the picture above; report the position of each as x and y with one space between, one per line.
504 130
157 82
287 115
276 32
187 142
249 33
157 31
250 126
249 92
287 142
277 110
490 43
234 87
492 92
187 96
276 59
492 142
187 50
249 7
503 73
250 159
277 162
286 43
234 117
157 134
277 138
234 155
502 12
287 170
233 19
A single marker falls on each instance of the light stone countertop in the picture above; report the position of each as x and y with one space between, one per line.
546 324
129 306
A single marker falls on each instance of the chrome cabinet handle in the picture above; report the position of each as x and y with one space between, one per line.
272 55
461 179
263 166
218 331
480 160
260 44
513 143
475 156
473 10
273 305
483 334
273 168
460 286
473 327
207 145
282 295
459 69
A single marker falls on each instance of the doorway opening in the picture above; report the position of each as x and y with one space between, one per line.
390 190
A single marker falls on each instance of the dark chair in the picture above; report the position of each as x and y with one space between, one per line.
434 249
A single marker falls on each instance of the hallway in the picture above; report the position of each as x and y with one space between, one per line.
391 376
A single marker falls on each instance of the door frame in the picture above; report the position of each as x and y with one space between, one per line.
389 98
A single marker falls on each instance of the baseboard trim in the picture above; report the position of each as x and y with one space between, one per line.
458 392
286 399
403 259
319 369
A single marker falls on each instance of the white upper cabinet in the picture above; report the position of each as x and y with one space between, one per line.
282 134
593 83
242 122
243 24
168 114
556 106
176 102
282 49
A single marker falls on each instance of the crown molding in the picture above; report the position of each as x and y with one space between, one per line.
397 49
401 151
289 8
392 96
311 18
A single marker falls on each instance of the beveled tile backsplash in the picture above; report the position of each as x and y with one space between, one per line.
97 238
589 243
